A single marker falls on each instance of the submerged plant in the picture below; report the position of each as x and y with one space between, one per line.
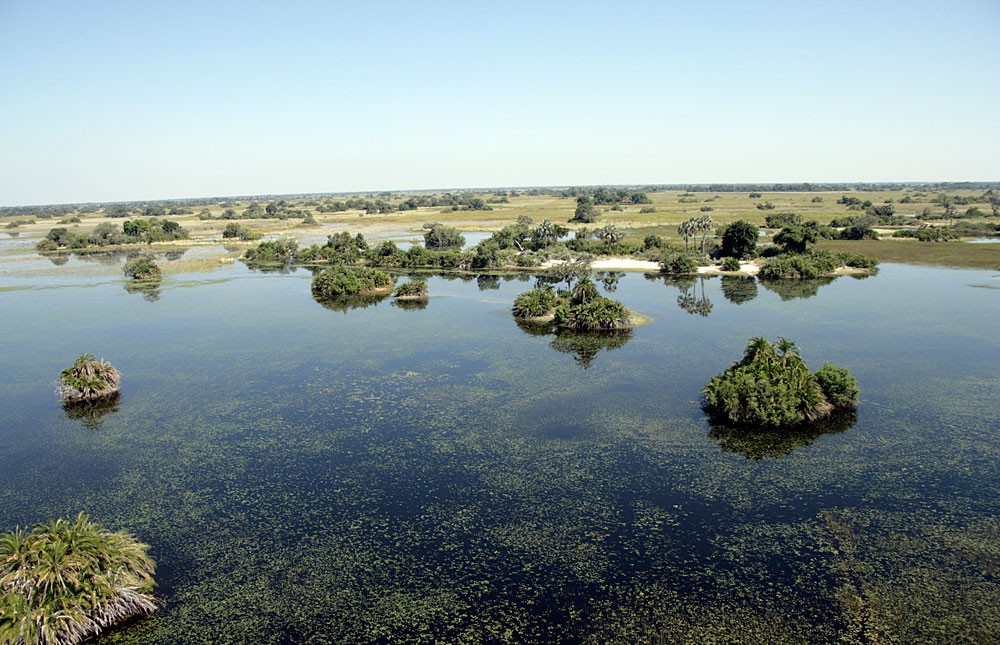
68 580
88 379
773 387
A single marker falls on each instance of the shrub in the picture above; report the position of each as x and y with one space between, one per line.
415 289
88 379
679 264
142 268
730 264
349 281
237 231
68 580
535 303
600 313
739 239
441 237
839 387
282 251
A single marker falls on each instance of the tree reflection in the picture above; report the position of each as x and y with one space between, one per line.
761 443
609 279
487 282
150 289
410 305
790 289
347 303
689 299
739 289
92 413
585 346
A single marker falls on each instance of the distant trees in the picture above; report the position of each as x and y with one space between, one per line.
585 211
794 239
236 231
441 237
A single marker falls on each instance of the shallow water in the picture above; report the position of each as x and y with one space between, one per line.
377 473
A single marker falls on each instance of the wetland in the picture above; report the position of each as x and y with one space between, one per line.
365 470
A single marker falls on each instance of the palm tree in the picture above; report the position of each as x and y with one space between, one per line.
88 379
759 350
704 225
67 580
686 230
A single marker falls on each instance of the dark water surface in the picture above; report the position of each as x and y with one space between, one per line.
384 474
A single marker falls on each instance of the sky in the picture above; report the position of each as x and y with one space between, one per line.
118 101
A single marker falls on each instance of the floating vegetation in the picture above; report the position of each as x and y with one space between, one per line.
68 580
88 379
772 387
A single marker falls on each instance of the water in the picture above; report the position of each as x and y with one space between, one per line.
380 474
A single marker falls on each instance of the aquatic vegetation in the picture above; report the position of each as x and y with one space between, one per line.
67 580
88 379
350 281
772 387
142 268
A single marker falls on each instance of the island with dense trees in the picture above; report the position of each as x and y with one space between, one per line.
772 387
88 379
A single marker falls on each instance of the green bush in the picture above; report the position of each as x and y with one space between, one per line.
349 281
839 387
535 303
679 264
282 251
415 288
597 314
730 264
142 268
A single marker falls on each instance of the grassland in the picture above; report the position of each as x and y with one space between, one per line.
668 209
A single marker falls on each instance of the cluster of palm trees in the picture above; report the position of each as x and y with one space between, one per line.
67 580
772 387
88 379
695 226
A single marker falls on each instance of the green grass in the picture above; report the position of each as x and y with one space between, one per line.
953 254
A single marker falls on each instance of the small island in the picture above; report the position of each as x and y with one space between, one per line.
413 291
771 387
344 280
580 308
67 580
88 380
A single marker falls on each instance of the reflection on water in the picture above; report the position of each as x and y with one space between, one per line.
584 346
345 304
793 289
411 305
739 289
761 443
150 289
92 413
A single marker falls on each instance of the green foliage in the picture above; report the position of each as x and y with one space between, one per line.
739 240
781 220
772 387
349 281
283 251
546 234
585 211
811 265
415 288
68 580
238 231
88 379
535 303
142 268
596 314
730 264
679 264
440 237
795 239
839 387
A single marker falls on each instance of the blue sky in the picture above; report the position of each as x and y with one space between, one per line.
107 101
